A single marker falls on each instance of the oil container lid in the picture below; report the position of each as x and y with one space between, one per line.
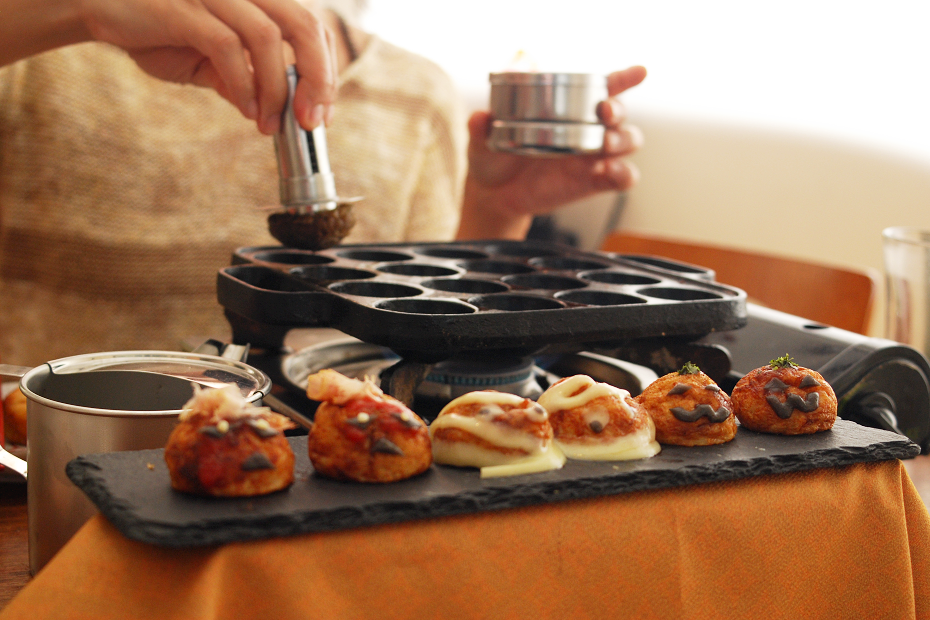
540 78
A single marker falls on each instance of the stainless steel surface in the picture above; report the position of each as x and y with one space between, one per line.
561 97
131 418
13 372
348 355
277 405
307 183
452 378
541 138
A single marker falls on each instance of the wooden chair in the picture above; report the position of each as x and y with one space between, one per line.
842 298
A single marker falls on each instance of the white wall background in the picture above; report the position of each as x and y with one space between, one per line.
854 69
798 127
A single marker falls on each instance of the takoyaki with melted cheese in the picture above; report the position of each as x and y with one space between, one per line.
502 434
360 433
597 421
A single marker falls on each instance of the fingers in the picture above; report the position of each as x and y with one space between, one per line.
479 125
611 111
262 38
315 58
614 173
622 141
245 42
619 81
220 43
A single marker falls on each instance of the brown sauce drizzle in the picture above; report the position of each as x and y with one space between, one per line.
775 385
360 422
809 382
261 430
695 414
255 461
680 388
784 409
211 431
712 388
386 446
407 420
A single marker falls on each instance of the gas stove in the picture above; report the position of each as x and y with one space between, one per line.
516 317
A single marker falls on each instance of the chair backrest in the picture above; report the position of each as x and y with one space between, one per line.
839 297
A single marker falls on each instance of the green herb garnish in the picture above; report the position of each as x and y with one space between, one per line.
783 362
689 369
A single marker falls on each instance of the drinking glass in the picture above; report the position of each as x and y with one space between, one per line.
907 286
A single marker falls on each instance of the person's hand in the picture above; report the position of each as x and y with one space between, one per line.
236 47
503 190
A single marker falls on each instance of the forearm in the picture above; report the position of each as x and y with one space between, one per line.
29 27
486 215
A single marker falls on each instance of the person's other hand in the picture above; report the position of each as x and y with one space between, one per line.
236 47
509 189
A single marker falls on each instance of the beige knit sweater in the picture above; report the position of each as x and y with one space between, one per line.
121 196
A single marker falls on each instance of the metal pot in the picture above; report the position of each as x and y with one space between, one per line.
103 402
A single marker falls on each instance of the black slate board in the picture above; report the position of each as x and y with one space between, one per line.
132 489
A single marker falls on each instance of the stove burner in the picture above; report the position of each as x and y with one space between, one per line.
457 376
524 376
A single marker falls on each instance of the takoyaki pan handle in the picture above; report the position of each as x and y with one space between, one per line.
272 297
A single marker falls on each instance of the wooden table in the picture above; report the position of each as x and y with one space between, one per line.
14 541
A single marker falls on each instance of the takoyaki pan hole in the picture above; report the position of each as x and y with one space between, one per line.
465 286
426 306
322 274
291 257
621 278
420 270
679 293
567 263
513 302
518 251
499 267
599 298
664 264
544 281
374 255
451 253
368 288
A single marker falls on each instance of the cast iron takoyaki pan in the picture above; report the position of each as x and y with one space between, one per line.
429 301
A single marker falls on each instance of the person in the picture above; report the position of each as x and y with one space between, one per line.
124 186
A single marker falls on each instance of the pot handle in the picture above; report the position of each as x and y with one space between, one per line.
13 462
13 372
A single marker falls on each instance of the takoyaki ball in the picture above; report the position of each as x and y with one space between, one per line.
598 422
502 434
360 433
785 399
225 446
14 417
689 409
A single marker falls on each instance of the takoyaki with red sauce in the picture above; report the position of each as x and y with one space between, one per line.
360 433
225 446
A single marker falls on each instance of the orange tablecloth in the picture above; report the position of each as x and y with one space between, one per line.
833 543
